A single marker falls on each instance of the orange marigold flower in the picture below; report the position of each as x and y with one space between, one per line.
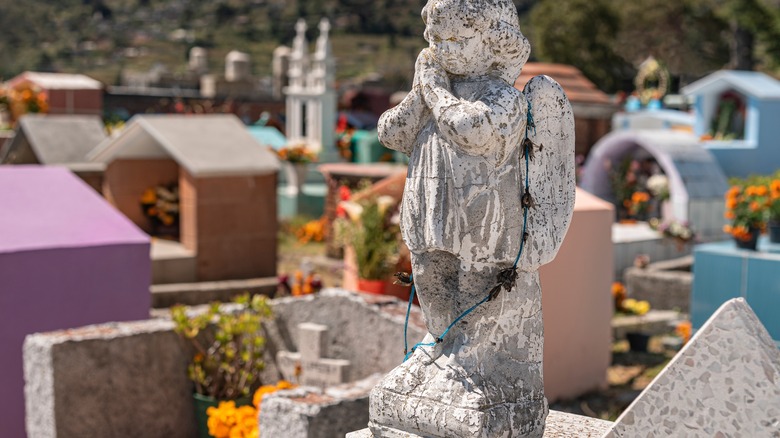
733 192
729 215
731 203
638 197
618 288
755 206
761 191
774 188
284 384
684 330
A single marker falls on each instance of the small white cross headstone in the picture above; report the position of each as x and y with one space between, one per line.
308 366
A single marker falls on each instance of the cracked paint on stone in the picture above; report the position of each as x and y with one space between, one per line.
463 126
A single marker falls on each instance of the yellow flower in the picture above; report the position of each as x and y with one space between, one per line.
641 307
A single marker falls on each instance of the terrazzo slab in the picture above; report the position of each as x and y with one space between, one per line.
559 425
724 383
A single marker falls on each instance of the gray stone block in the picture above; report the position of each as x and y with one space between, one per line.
665 285
309 412
111 380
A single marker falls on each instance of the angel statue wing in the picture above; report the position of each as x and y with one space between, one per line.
551 171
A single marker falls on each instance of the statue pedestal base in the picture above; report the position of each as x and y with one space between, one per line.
559 425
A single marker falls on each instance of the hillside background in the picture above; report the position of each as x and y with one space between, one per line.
607 39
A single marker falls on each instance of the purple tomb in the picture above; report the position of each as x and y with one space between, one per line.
67 259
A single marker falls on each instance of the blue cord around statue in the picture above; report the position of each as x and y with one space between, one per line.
526 153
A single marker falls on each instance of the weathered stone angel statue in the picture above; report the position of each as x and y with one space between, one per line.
471 199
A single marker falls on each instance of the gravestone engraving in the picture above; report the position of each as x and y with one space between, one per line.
308 366
488 198
724 382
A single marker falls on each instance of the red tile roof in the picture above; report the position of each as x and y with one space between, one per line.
578 88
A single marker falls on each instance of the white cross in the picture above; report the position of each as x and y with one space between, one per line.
307 366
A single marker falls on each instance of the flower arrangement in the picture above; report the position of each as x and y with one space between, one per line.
160 204
658 186
311 231
618 295
370 225
638 204
635 307
745 207
636 185
680 232
623 179
229 421
228 357
301 284
297 154
626 305
23 99
773 203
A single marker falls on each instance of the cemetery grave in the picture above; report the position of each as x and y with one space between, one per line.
205 184
58 140
90 265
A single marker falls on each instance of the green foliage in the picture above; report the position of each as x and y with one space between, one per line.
581 33
375 244
369 224
606 39
229 345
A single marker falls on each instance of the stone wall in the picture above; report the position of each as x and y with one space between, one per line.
130 379
666 285
110 380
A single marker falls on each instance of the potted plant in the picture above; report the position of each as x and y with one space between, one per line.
746 208
369 226
228 345
637 340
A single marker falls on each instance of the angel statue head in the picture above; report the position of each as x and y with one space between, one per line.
475 37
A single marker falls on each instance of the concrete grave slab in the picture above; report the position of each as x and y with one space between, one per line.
308 412
724 382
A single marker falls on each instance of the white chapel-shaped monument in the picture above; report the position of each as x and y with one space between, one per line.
311 97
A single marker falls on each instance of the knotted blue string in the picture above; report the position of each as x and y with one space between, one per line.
530 125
